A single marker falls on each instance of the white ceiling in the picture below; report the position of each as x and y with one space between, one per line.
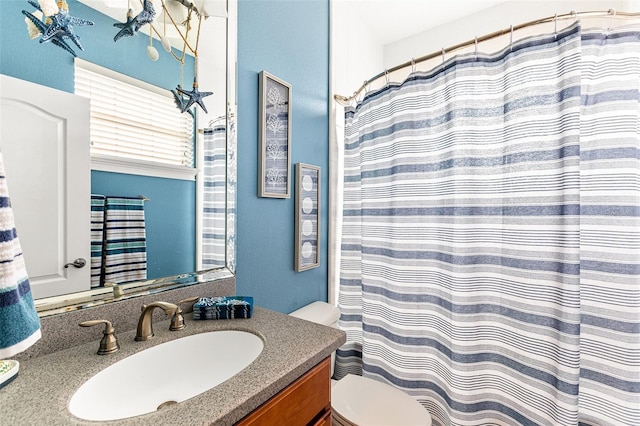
388 20
117 9
393 20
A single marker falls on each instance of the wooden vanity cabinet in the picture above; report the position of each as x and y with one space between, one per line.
307 401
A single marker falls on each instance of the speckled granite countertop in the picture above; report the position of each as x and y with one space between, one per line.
41 392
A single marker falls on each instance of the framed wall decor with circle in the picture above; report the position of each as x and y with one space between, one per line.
274 168
307 217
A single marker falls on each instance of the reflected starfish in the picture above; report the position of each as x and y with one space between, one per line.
58 41
133 24
181 101
127 28
59 28
195 96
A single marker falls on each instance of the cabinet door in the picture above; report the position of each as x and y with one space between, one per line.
44 138
307 401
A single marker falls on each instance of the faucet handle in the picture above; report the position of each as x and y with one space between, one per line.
109 343
188 300
177 321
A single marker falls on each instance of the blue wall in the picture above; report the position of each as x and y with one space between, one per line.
171 243
289 39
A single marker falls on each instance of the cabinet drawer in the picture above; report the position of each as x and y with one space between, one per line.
305 401
325 420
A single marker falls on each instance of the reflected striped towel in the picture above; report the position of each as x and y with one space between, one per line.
125 240
19 322
97 238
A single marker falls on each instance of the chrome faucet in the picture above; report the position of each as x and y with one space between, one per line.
145 323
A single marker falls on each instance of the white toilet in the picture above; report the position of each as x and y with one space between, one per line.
360 401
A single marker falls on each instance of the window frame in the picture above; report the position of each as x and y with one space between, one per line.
126 165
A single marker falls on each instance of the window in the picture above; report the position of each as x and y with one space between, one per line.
136 127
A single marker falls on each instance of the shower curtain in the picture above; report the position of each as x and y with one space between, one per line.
491 234
214 197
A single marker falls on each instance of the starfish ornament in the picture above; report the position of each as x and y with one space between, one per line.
127 28
58 27
58 40
195 96
62 26
180 102
133 24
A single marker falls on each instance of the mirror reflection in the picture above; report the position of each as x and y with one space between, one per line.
186 205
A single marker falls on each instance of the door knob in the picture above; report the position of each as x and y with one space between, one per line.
78 263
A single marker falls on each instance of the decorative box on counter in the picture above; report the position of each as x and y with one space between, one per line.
229 307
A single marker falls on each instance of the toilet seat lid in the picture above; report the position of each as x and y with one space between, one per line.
367 402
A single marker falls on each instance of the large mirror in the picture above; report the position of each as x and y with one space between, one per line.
189 217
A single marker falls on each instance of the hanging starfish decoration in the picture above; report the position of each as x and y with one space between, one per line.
58 40
133 24
180 101
128 28
194 96
58 27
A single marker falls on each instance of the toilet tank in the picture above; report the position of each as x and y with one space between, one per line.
320 313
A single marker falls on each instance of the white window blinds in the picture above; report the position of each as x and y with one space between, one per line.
134 121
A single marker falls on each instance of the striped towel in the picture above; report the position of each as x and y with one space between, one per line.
229 307
19 322
125 240
97 238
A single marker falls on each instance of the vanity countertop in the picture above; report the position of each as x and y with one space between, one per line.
41 392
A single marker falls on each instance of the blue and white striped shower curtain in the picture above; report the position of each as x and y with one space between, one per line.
214 197
491 234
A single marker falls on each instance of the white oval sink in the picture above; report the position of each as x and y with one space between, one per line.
169 373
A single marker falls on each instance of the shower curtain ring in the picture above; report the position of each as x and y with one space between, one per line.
476 47
555 26
413 65
443 52
386 76
575 16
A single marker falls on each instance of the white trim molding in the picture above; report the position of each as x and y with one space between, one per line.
143 168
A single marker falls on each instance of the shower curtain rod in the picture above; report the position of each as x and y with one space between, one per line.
346 101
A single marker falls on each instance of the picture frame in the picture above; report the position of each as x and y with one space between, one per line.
274 169
308 208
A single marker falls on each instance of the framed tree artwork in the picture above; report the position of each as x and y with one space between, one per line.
274 168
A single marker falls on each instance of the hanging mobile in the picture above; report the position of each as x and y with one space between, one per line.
194 96
179 98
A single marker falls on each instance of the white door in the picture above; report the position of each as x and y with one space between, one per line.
44 138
